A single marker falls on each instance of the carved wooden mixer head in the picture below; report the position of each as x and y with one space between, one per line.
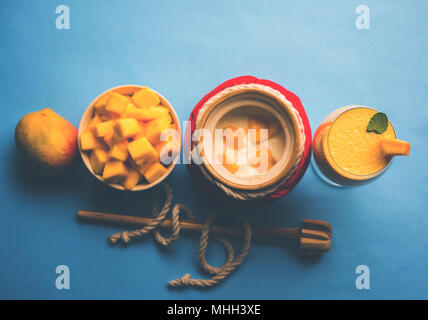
313 236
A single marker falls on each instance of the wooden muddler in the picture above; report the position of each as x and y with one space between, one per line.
313 236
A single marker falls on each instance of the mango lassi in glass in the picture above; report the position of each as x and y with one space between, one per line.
348 151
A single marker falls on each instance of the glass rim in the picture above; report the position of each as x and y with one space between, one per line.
328 140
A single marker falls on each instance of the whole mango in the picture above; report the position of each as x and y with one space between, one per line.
47 138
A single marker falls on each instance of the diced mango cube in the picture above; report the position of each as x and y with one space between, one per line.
145 114
157 112
109 140
155 171
88 141
131 111
125 113
162 108
105 115
116 103
126 128
104 129
145 98
101 103
132 179
119 151
229 163
155 128
144 166
114 171
93 123
98 159
149 114
141 150
142 131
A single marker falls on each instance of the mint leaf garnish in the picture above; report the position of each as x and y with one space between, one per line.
378 123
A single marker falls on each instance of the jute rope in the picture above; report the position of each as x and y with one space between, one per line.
229 266
247 195
219 273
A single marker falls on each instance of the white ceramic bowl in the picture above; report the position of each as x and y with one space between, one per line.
87 116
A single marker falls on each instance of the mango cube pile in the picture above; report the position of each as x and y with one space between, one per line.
237 139
123 138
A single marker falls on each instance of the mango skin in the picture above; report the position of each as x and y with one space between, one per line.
47 138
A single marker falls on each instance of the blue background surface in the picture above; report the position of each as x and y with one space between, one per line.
183 49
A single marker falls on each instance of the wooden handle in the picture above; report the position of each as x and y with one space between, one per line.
191 225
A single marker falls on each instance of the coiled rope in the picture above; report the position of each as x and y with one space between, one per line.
218 274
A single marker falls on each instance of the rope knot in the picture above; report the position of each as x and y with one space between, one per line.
181 282
125 237
115 238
